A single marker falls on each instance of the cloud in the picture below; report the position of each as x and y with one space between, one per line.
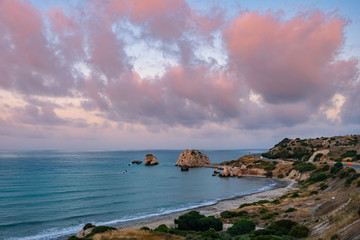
279 72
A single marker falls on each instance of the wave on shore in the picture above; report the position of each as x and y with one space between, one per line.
55 233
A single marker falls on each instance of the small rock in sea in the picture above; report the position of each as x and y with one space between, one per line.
136 162
216 171
151 159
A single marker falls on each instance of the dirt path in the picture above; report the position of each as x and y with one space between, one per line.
324 152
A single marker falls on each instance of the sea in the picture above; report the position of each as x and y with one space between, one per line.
51 194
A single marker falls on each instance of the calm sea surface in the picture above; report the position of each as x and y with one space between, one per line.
49 194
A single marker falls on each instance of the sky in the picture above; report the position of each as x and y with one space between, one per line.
176 74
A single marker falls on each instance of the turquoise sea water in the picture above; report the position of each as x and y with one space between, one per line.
49 194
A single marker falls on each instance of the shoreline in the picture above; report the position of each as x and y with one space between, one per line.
283 186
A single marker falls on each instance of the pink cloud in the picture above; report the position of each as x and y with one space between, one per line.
290 63
286 60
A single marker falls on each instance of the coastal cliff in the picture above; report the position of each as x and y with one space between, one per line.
192 158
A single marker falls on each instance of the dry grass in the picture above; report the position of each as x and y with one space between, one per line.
135 234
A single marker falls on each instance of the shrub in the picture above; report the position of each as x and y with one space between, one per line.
289 210
262 201
323 186
246 204
337 167
145 228
189 221
242 226
195 221
335 236
209 234
276 201
304 167
263 210
295 195
314 192
299 231
270 216
162 228
259 232
210 222
317 178
281 227
88 225
350 153
318 156
280 176
358 184
265 237
359 211
100 229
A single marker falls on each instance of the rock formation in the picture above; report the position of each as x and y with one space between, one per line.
136 162
216 171
192 158
151 159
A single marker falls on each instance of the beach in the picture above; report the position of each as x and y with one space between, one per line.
284 185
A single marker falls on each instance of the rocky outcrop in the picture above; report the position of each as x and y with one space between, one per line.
151 159
216 171
84 232
136 162
294 174
241 171
192 158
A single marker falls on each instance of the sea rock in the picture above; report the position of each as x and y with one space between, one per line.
192 158
151 159
184 168
82 233
216 171
136 162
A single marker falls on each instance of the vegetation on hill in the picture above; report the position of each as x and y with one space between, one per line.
340 147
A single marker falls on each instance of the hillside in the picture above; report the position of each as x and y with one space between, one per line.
339 148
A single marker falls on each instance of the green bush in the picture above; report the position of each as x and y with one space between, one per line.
337 167
276 201
100 229
318 156
289 210
145 228
350 153
335 236
262 201
242 226
281 227
231 214
162 228
270 216
88 225
189 221
210 222
263 210
358 184
195 221
304 167
323 186
317 178
265 237
299 231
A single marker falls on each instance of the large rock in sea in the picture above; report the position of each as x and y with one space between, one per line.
151 159
192 158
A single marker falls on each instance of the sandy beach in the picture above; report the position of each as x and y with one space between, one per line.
284 185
